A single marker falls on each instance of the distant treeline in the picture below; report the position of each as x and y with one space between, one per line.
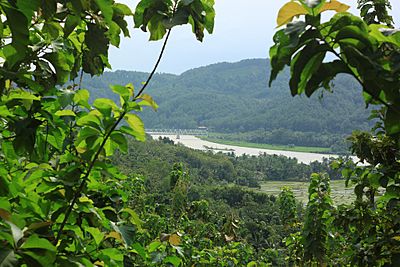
214 192
234 98
336 142
153 159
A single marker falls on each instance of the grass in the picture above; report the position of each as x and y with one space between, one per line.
324 150
339 193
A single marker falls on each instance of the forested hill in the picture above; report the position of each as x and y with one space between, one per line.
235 97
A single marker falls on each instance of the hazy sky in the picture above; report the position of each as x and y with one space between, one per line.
243 29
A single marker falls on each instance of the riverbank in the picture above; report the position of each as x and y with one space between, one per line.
197 143
322 150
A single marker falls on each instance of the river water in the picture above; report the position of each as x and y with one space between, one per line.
197 143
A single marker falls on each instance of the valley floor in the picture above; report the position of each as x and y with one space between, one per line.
339 192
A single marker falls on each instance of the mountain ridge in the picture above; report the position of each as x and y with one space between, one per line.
235 98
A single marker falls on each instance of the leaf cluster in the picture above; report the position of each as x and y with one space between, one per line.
367 52
367 230
160 16
62 202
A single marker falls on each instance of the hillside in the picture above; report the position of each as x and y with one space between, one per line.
234 98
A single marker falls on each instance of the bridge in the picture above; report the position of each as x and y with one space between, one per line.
201 131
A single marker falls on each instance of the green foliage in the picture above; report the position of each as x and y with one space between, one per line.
365 231
287 206
62 202
58 207
179 183
214 97
317 219
375 11
214 218
205 167
369 53
160 16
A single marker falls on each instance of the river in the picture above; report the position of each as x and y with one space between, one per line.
197 143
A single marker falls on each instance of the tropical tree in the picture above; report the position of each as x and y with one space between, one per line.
61 201
368 49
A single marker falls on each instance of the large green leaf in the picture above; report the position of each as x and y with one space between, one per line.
122 9
4 112
305 64
324 75
28 7
341 20
96 233
19 94
153 246
71 23
150 14
208 6
156 27
63 64
281 53
136 127
85 133
105 105
134 218
40 250
18 24
123 91
81 97
91 119
106 7
353 32
120 140
35 241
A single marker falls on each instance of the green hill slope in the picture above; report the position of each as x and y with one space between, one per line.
234 98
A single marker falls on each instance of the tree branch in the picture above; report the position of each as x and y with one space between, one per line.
156 65
82 185
84 180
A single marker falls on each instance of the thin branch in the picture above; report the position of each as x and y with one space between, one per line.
156 65
80 80
92 163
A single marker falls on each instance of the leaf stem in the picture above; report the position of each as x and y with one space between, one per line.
156 65
92 163
80 79
84 180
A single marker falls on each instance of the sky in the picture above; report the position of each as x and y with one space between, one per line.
243 29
